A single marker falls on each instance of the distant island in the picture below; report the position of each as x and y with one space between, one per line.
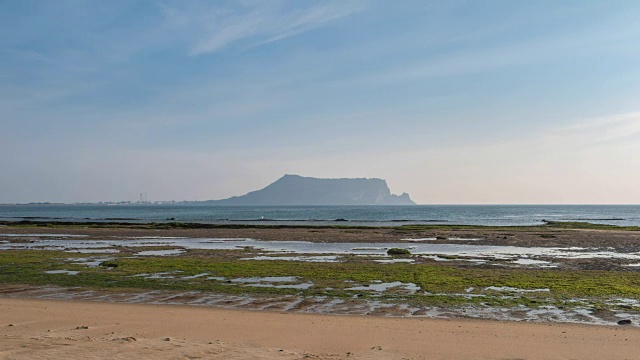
299 190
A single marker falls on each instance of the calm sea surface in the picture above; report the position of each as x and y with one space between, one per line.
323 215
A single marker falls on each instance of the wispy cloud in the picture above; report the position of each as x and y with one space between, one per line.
613 128
261 23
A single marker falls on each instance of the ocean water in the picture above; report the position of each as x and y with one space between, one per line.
506 215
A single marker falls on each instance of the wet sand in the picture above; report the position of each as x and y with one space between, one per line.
45 329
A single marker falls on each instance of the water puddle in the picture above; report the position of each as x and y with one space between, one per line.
530 262
94 251
303 286
442 239
67 272
624 302
160 252
513 289
44 235
393 261
160 275
293 248
266 279
327 258
436 258
156 237
194 276
90 262
382 287
277 282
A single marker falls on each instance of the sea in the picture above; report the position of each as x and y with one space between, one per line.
501 215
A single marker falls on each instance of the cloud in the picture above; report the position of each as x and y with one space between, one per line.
262 23
605 130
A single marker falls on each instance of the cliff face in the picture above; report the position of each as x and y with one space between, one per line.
298 190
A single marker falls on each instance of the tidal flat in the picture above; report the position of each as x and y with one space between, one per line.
557 272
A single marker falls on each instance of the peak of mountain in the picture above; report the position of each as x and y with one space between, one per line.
299 190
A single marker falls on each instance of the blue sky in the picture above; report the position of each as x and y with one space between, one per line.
450 101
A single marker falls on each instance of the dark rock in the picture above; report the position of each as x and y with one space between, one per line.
398 251
624 322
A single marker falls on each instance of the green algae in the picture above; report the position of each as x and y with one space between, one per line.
440 284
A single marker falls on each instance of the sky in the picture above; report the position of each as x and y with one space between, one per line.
453 102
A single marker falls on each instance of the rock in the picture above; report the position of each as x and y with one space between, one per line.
398 251
167 339
10 324
82 327
624 322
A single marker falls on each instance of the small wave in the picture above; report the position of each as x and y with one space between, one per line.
593 219
339 220
119 219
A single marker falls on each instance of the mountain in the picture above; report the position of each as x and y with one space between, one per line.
299 190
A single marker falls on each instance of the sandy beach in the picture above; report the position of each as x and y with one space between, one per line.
47 329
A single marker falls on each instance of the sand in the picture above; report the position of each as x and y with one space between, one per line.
51 329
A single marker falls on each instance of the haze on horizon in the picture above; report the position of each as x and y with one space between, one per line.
454 102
